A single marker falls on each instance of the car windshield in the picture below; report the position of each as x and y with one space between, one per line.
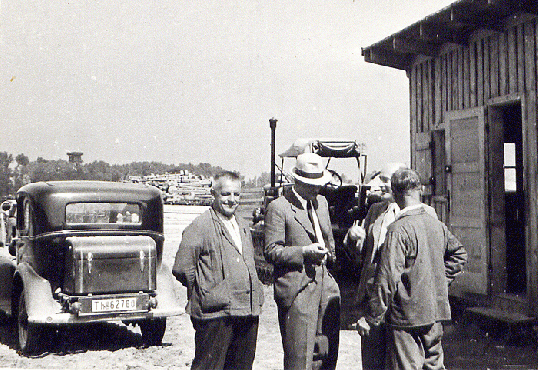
102 213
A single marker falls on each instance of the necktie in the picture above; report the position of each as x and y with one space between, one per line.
315 222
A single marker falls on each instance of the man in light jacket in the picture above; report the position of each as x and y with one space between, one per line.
419 260
299 243
215 261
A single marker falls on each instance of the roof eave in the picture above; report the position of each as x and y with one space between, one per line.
453 24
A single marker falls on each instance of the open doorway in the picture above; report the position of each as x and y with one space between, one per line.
514 198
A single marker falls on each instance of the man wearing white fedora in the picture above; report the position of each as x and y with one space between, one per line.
299 243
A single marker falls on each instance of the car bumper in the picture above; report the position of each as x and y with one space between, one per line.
69 318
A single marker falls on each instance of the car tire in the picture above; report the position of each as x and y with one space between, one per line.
28 334
152 331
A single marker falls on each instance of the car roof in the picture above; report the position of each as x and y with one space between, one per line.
104 190
50 199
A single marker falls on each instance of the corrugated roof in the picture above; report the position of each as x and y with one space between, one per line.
452 24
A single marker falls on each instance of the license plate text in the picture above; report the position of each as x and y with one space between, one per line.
114 304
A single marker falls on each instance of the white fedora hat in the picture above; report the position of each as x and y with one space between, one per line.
309 170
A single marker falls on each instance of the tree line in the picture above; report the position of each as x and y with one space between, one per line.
19 170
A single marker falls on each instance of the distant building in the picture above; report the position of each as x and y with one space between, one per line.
75 157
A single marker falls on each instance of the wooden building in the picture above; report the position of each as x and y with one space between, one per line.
472 70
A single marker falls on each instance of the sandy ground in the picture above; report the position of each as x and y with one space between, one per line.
112 346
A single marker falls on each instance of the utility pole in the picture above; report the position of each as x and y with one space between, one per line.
272 124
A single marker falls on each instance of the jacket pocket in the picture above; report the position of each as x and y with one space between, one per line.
240 300
216 297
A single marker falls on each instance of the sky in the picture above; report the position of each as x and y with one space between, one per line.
179 81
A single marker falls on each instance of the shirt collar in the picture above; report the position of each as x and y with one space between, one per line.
224 219
408 209
302 200
393 206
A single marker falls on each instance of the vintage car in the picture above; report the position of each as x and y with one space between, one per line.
86 252
8 215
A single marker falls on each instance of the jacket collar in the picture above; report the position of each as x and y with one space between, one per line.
224 230
411 211
299 212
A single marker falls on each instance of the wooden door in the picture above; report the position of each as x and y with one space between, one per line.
467 188
440 191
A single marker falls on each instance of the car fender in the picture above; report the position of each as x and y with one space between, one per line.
7 271
37 292
166 293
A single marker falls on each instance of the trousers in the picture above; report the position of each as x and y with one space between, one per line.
310 327
225 343
415 348
374 348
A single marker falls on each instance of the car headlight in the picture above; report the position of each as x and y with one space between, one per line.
75 308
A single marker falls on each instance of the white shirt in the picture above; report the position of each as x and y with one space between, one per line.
389 217
302 200
233 228
315 219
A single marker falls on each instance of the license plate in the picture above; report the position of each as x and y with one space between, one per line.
114 304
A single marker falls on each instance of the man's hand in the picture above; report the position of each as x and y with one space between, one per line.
363 328
315 251
356 233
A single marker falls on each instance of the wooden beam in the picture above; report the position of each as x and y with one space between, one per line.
387 58
529 6
514 6
438 33
414 46
475 18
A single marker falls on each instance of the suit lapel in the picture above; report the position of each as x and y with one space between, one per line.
243 227
376 228
323 216
223 229
300 214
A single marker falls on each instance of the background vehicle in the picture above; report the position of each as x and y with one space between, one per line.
8 221
86 252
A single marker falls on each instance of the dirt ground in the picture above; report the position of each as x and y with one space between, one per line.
468 344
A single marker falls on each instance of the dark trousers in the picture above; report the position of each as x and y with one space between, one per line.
225 343
415 348
310 327
374 348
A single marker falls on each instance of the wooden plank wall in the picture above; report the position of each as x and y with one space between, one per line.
493 65
468 76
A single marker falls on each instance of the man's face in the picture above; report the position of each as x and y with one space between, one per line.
226 193
386 192
307 191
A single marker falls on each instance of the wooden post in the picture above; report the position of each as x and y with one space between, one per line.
272 124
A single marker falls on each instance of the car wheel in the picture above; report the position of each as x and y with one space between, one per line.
28 333
153 331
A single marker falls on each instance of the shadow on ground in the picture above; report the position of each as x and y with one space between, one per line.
471 343
64 340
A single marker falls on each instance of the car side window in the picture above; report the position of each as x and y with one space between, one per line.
27 225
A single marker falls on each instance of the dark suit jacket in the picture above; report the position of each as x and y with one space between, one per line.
287 230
